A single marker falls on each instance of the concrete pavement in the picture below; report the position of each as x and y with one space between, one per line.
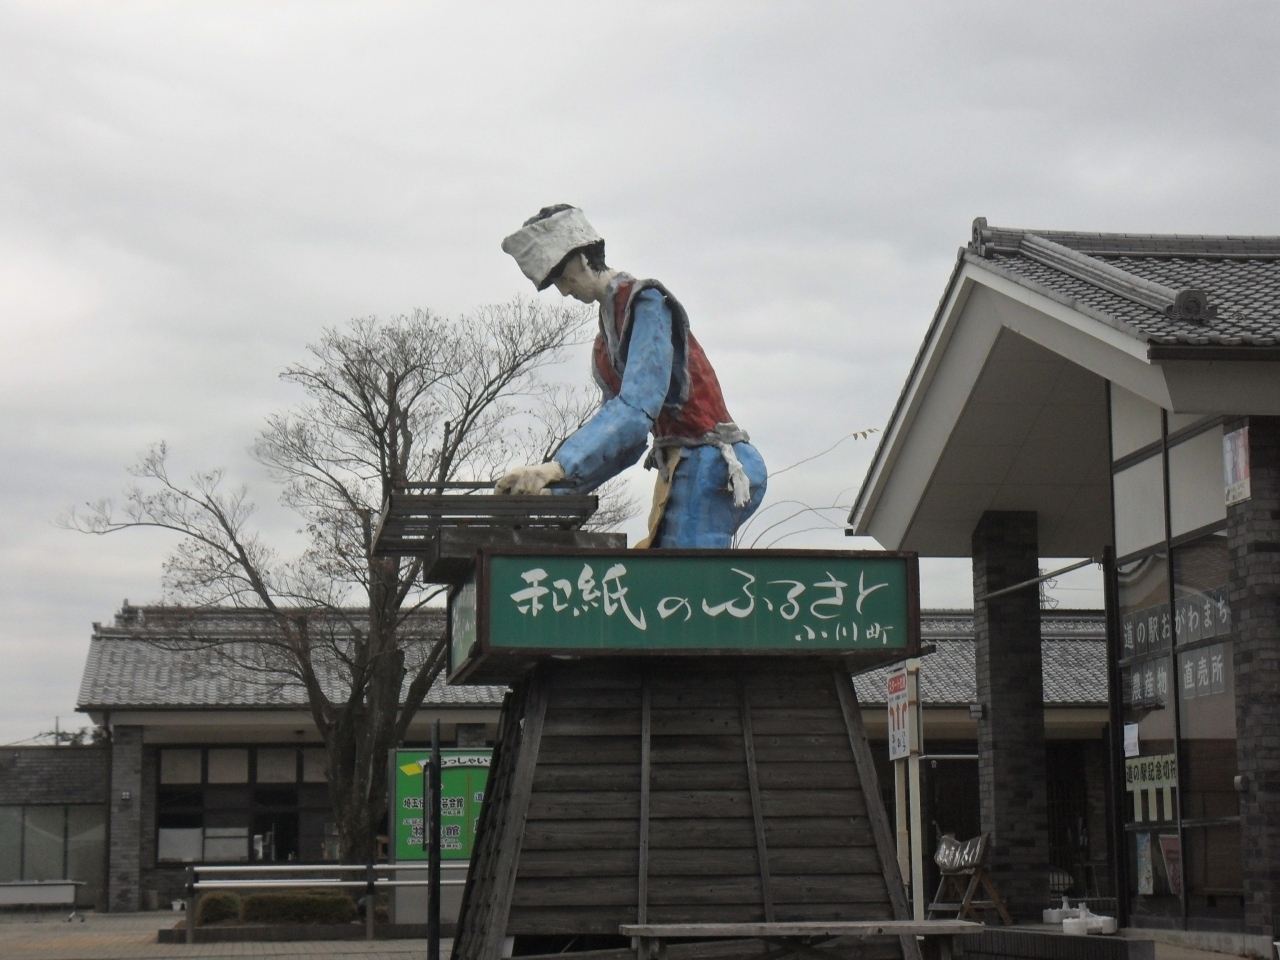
132 936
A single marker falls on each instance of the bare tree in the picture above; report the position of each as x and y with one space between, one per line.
378 398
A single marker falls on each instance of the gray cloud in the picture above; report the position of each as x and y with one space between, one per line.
191 192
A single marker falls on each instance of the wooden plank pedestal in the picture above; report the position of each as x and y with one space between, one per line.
679 790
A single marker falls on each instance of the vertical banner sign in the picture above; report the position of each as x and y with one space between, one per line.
463 776
1235 465
899 707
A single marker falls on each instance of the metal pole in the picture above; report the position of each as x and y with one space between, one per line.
369 900
913 775
1035 580
191 905
432 816
904 831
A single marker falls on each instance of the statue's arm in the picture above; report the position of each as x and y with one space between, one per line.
618 435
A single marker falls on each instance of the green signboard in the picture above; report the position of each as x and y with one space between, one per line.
463 774
677 601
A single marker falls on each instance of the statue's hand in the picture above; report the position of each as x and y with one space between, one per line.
531 479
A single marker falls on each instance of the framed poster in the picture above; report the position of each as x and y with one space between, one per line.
463 777
1235 466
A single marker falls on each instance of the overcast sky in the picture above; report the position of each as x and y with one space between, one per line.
191 192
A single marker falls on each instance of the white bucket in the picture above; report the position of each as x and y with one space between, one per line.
1075 926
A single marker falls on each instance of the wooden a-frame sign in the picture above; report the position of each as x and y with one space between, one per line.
679 790
682 743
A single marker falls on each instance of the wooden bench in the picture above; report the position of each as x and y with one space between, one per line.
810 939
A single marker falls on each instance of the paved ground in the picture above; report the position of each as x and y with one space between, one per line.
132 936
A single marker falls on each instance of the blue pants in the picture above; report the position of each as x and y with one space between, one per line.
700 510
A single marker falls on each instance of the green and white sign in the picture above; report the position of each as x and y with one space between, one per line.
751 602
463 775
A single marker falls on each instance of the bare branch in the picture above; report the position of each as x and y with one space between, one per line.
347 626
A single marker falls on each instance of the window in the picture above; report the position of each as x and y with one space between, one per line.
55 842
228 766
1139 495
263 803
278 765
1181 811
1207 741
1196 496
10 844
1151 794
315 765
179 766
1135 423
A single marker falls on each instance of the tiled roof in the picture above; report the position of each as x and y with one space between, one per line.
1240 277
1074 661
163 658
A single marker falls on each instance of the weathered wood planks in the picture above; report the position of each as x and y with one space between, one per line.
690 791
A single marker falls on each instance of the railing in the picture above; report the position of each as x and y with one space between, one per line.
312 876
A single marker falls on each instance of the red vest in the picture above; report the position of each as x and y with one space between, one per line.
694 404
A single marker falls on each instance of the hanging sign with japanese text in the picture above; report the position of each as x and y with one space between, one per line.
899 708
582 603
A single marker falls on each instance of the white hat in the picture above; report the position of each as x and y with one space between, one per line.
541 245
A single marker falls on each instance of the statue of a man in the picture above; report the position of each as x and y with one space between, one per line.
655 379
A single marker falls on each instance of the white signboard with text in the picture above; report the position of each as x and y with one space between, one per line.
899 709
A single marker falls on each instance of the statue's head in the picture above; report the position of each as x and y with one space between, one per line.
558 246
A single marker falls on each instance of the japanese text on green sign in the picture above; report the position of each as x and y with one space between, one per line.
827 602
463 776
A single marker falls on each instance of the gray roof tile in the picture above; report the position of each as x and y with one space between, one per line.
165 657
1074 661
1241 276
160 658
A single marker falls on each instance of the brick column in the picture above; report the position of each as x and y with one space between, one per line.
1011 759
125 849
1253 537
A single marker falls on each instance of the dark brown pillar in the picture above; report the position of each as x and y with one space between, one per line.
1011 761
1253 532
124 867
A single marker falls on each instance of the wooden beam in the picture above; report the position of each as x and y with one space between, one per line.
875 809
475 904
817 928
517 805
757 810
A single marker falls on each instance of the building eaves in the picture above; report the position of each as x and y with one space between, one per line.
1240 277
887 436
